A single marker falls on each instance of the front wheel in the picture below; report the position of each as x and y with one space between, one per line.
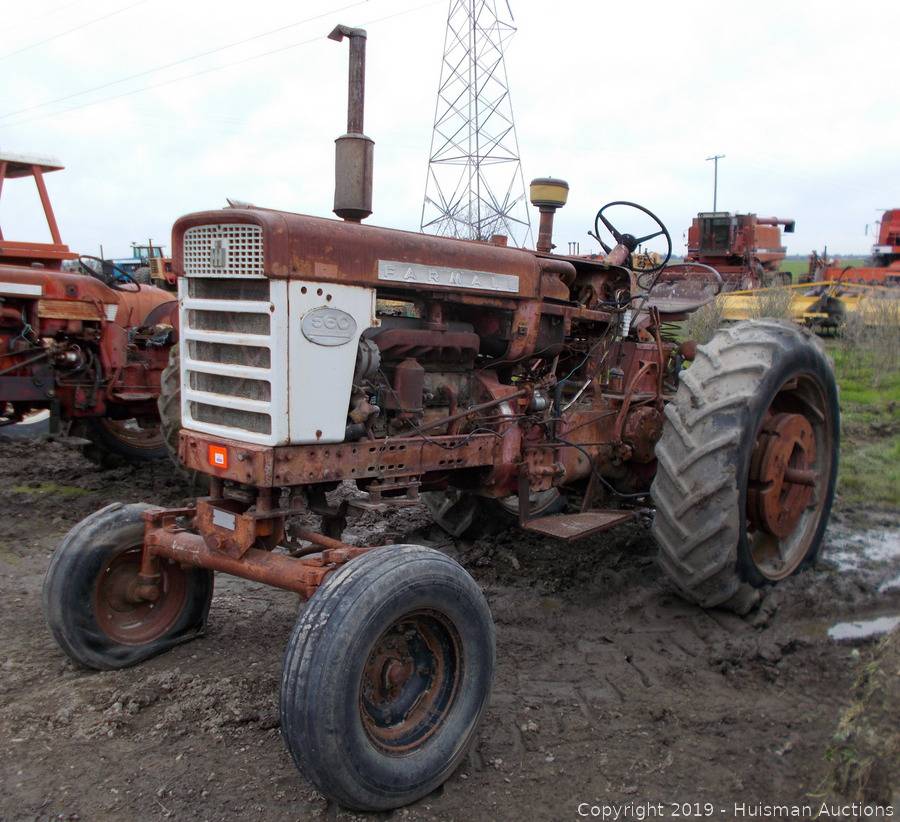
89 600
386 676
747 463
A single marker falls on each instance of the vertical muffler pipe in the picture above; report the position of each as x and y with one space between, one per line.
354 152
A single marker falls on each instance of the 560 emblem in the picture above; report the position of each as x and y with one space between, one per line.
328 326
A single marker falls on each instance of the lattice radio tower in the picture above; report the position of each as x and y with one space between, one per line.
475 187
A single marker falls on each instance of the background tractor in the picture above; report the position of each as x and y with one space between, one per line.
514 385
89 344
146 264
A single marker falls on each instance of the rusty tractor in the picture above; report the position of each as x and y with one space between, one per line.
88 344
745 249
500 384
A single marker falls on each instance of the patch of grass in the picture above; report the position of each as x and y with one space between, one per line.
865 749
870 451
50 488
870 474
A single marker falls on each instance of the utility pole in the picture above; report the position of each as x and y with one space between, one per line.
715 158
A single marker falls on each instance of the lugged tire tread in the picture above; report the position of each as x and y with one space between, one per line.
697 527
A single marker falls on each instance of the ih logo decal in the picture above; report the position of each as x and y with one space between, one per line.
218 254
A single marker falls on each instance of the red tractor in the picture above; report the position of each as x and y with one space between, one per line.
511 386
89 344
745 249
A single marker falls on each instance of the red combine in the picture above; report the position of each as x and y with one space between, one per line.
745 249
885 267
88 345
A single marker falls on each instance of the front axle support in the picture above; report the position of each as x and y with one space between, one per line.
164 538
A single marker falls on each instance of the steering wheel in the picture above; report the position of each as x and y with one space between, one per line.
121 275
629 240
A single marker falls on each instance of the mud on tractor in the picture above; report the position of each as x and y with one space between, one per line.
90 344
502 385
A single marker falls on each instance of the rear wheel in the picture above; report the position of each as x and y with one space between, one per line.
169 404
386 676
133 440
89 599
747 463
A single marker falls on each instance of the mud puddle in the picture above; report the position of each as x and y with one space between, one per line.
854 550
863 630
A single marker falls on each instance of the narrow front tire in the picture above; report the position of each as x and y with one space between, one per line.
89 600
386 676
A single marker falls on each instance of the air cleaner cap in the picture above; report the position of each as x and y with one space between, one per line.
548 192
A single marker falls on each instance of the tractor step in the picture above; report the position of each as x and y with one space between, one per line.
574 526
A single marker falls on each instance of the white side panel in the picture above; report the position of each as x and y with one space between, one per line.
322 375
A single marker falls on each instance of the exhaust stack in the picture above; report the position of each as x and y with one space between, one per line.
354 152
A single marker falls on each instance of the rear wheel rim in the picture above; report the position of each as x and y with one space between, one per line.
131 433
124 617
789 477
410 681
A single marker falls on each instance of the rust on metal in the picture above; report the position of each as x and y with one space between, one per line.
410 681
132 608
69 310
302 575
263 466
782 476
568 527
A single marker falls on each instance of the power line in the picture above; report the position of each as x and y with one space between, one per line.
70 31
44 16
210 70
182 60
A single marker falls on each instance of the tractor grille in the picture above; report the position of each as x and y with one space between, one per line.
234 349
223 250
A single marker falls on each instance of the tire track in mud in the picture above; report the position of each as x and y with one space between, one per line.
608 688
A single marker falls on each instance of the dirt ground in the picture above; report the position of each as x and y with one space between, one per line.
609 688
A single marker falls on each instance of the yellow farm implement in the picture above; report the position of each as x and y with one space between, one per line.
824 305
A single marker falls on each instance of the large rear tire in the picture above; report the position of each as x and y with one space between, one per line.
386 676
169 404
88 598
747 463
134 441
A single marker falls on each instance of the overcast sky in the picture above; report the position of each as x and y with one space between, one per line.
623 100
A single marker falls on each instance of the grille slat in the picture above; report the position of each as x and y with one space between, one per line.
215 352
231 418
231 321
231 386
